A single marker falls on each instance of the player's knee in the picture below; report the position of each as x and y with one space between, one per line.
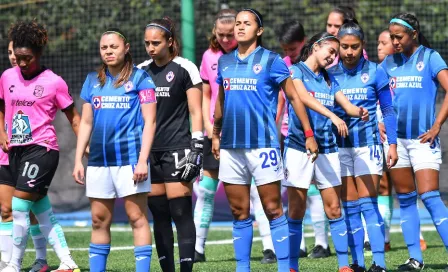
137 219
273 210
239 212
333 209
100 221
6 211
296 211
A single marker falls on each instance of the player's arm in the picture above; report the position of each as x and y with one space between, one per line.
3 135
351 109
280 106
73 117
206 100
149 111
217 125
194 97
84 132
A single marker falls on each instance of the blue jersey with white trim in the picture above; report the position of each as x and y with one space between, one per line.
251 87
117 119
317 86
413 82
362 86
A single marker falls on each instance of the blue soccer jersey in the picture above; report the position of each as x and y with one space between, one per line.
117 119
251 87
317 86
363 86
414 84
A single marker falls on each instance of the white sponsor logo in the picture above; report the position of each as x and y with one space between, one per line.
403 221
139 258
282 239
91 255
236 238
393 69
354 231
380 224
96 86
343 234
441 221
225 68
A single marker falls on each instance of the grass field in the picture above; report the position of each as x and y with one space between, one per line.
219 252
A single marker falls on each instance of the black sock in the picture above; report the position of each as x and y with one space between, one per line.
163 231
181 212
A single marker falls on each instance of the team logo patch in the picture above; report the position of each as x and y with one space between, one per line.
257 68
286 173
420 65
226 84
214 66
313 94
170 76
128 86
38 91
96 102
392 83
21 128
365 77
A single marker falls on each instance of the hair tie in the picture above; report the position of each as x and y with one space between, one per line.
253 11
159 26
350 31
401 22
326 37
115 32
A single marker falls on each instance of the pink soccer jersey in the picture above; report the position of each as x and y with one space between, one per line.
284 128
209 73
31 106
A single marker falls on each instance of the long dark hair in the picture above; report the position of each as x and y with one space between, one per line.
224 16
351 27
290 32
258 19
128 67
166 25
413 21
347 13
307 49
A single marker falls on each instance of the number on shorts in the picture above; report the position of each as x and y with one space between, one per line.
272 156
374 152
30 171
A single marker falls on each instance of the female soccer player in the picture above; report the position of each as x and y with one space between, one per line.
250 78
7 189
312 80
32 95
222 41
176 157
385 199
415 72
119 118
360 154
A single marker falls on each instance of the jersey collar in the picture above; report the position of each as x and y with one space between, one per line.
354 70
318 77
405 59
248 56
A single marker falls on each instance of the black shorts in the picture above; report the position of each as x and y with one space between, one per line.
163 165
6 176
209 162
33 167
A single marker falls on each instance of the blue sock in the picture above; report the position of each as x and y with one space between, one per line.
439 213
338 230
98 257
143 258
242 243
280 239
375 228
410 224
295 237
355 231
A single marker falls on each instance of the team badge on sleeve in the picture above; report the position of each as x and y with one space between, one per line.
226 84
420 65
128 86
147 96
170 76
365 77
257 68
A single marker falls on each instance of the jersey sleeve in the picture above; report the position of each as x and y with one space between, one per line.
1 88
334 84
219 79
192 76
63 96
279 70
203 69
85 91
436 64
381 78
296 73
146 89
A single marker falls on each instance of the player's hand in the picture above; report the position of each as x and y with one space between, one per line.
340 125
216 142
382 130
312 148
364 114
140 172
392 156
4 141
430 135
193 163
87 152
78 173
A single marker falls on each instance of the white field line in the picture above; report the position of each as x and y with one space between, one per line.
218 242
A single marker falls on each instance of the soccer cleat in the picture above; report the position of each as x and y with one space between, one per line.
345 269
367 249
357 268
39 265
198 257
423 245
303 253
3 265
376 268
268 257
411 265
11 268
63 267
387 247
319 252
